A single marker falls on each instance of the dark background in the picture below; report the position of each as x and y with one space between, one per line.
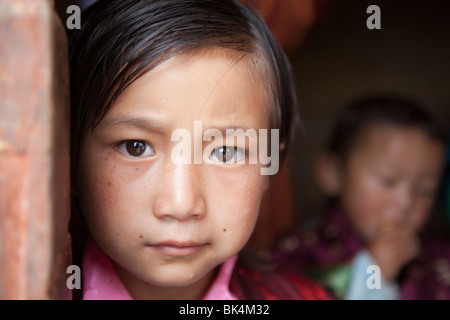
342 59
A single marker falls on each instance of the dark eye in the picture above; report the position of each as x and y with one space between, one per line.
135 149
227 154
388 181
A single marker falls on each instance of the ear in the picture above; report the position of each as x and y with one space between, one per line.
327 173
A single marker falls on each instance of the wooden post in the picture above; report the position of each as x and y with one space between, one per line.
34 152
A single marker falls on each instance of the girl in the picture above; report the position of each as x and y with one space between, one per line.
154 220
381 170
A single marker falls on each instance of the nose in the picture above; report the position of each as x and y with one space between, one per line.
404 199
180 194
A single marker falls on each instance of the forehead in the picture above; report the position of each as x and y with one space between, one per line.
210 85
404 146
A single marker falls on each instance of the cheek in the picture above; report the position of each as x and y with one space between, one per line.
92 193
364 201
239 207
102 192
421 215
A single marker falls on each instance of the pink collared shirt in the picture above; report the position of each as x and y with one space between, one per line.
101 281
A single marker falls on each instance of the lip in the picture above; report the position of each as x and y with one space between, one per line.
178 249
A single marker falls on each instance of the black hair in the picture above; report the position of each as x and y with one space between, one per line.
387 109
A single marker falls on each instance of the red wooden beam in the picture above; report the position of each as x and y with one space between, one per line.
34 152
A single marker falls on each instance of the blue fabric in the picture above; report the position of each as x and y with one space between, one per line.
367 283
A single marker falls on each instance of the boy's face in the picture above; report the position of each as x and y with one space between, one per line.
165 223
390 179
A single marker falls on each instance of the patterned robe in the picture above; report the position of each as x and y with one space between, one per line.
325 253
281 284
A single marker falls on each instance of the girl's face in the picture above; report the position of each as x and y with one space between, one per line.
390 180
165 223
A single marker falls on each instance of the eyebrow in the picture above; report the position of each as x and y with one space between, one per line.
147 124
223 129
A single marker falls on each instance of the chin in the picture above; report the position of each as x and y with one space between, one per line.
171 279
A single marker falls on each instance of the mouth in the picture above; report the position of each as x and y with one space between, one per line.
178 249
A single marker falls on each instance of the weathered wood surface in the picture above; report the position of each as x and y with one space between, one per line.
34 152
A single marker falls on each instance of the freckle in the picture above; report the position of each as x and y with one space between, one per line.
224 230
117 234
106 159
109 183
137 169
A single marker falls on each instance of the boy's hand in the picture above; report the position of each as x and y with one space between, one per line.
392 249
